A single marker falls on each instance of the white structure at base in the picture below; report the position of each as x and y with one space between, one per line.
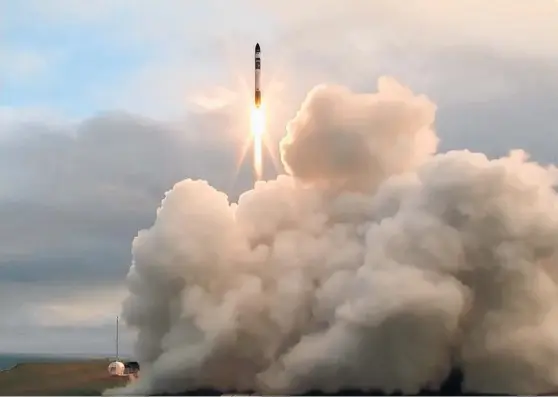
116 368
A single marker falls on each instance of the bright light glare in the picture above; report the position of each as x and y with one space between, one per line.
257 127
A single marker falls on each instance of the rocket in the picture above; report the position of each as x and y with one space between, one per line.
257 91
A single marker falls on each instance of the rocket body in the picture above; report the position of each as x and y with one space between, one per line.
257 88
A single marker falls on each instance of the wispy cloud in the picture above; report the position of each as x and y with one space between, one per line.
25 65
87 308
162 52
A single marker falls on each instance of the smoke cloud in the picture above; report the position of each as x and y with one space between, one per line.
362 139
375 264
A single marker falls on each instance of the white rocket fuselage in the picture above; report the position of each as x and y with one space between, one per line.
258 65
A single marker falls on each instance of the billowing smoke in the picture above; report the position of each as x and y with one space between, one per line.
344 138
376 264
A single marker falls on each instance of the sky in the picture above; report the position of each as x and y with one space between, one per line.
106 104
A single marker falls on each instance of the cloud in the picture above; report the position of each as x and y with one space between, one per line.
54 318
431 45
348 142
74 196
523 28
425 43
18 121
94 187
526 29
81 341
24 66
89 308
70 11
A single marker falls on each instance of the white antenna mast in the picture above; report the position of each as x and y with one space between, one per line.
116 368
116 338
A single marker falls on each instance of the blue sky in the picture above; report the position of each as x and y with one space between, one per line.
70 59
77 183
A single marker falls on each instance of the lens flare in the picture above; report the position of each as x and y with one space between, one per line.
257 127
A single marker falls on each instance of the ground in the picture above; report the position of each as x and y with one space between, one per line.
80 378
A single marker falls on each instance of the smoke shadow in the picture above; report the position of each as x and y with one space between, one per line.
452 386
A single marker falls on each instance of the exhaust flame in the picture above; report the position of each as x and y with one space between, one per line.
257 129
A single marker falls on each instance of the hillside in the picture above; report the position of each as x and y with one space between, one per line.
85 378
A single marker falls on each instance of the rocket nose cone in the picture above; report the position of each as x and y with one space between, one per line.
257 47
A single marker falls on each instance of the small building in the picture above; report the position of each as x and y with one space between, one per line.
132 368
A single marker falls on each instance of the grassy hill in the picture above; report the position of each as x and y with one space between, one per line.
78 378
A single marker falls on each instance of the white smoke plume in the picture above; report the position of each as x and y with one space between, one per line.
375 264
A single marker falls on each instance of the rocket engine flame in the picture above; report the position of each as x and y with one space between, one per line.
257 126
